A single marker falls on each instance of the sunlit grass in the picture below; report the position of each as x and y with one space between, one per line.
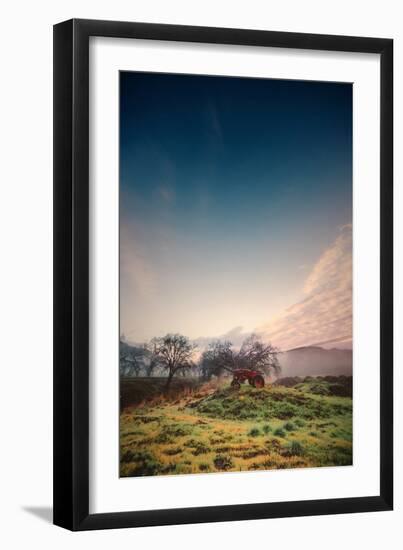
271 428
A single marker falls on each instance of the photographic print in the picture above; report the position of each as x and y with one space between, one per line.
235 274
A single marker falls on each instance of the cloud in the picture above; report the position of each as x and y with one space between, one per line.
325 312
236 336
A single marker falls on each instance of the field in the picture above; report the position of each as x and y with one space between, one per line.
199 428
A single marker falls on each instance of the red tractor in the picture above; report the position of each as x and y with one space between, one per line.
254 377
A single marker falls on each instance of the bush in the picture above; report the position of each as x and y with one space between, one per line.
289 426
222 462
200 449
173 452
145 463
279 432
127 456
296 449
169 434
254 432
300 423
245 415
164 437
203 467
267 428
286 410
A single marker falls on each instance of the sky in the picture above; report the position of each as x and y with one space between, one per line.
235 208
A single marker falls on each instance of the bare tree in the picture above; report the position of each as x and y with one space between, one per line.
131 359
253 354
173 353
150 351
258 355
218 357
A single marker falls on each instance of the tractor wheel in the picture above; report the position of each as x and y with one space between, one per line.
258 381
236 385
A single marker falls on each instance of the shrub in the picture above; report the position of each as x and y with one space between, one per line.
267 428
164 437
191 443
289 426
279 432
222 462
251 454
273 444
146 465
300 423
203 467
246 415
169 433
254 432
296 449
286 410
201 449
146 419
172 452
128 456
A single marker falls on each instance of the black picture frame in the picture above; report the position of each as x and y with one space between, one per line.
71 274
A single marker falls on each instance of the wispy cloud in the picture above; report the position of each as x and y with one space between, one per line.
325 313
236 336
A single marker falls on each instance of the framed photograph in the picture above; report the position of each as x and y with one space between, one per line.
223 259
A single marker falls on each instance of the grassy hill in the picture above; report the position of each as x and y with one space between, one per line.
205 429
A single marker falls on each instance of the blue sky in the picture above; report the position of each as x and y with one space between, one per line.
231 191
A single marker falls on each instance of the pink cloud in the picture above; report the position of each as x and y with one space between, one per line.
325 312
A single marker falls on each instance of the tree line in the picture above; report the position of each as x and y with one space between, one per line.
176 355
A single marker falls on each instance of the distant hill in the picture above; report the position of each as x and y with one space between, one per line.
316 361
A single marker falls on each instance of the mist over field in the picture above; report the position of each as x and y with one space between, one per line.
317 361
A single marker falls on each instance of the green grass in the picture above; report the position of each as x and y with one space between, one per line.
340 386
274 402
223 430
